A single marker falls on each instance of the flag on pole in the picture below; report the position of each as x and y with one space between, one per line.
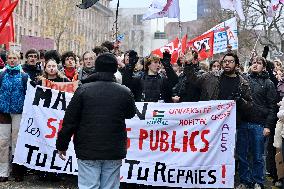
163 8
6 22
6 13
172 48
204 44
233 5
272 8
87 4
183 44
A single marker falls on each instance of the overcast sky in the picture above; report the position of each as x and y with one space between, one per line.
188 8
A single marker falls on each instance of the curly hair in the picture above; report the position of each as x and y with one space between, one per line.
67 55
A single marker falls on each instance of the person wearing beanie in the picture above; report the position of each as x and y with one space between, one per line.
13 84
97 114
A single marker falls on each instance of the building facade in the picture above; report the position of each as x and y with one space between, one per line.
205 8
83 29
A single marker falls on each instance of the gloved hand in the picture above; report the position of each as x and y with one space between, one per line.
133 57
265 51
166 61
234 96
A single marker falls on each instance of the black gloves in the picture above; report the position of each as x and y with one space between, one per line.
265 52
166 61
133 57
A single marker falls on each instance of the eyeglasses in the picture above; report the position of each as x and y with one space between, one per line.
228 61
70 58
32 56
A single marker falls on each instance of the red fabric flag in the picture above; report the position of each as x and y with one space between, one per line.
7 33
204 44
4 4
172 48
6 13
184 44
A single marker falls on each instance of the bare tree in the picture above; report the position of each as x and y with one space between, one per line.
59 21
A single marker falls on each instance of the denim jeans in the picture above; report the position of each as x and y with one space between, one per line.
250 143
99 174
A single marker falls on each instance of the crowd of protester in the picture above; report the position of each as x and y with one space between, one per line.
154 79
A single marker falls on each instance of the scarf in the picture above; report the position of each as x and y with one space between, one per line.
16 68
70 73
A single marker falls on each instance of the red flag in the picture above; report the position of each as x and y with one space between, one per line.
184 44
7 34
172 48
4 4
6 13
204 44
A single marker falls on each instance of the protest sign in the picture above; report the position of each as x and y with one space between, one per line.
69 87
225 33
188 145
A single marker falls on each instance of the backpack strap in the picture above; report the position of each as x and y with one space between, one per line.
1 77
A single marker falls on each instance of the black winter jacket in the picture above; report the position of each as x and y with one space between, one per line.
96 116
32 70
150 88
187 90
264 97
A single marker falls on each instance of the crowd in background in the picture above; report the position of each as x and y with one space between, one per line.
153 79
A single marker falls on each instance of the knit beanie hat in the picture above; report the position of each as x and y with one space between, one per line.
106 62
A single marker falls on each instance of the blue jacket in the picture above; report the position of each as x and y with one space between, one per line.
12 91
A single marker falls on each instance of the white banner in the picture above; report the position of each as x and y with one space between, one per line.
225 33
188 145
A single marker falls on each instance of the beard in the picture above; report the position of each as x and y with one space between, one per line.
229 72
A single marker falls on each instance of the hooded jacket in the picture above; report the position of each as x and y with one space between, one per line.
96 116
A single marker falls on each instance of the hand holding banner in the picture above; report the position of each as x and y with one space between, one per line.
188 145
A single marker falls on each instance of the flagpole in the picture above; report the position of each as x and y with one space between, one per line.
246 63
180 29
116 20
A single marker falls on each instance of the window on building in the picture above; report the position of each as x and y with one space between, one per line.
160 35
141 50
16 32
137 19
21 7
36 33
31 11
132 35
142 35
30 32
36 13
24 33
25 9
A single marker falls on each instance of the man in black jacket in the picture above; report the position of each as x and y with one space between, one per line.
259 122
96 117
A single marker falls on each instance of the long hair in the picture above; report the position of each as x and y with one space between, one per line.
59 73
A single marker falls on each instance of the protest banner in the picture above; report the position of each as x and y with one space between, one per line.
204 44
188 145
225 33
69 87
